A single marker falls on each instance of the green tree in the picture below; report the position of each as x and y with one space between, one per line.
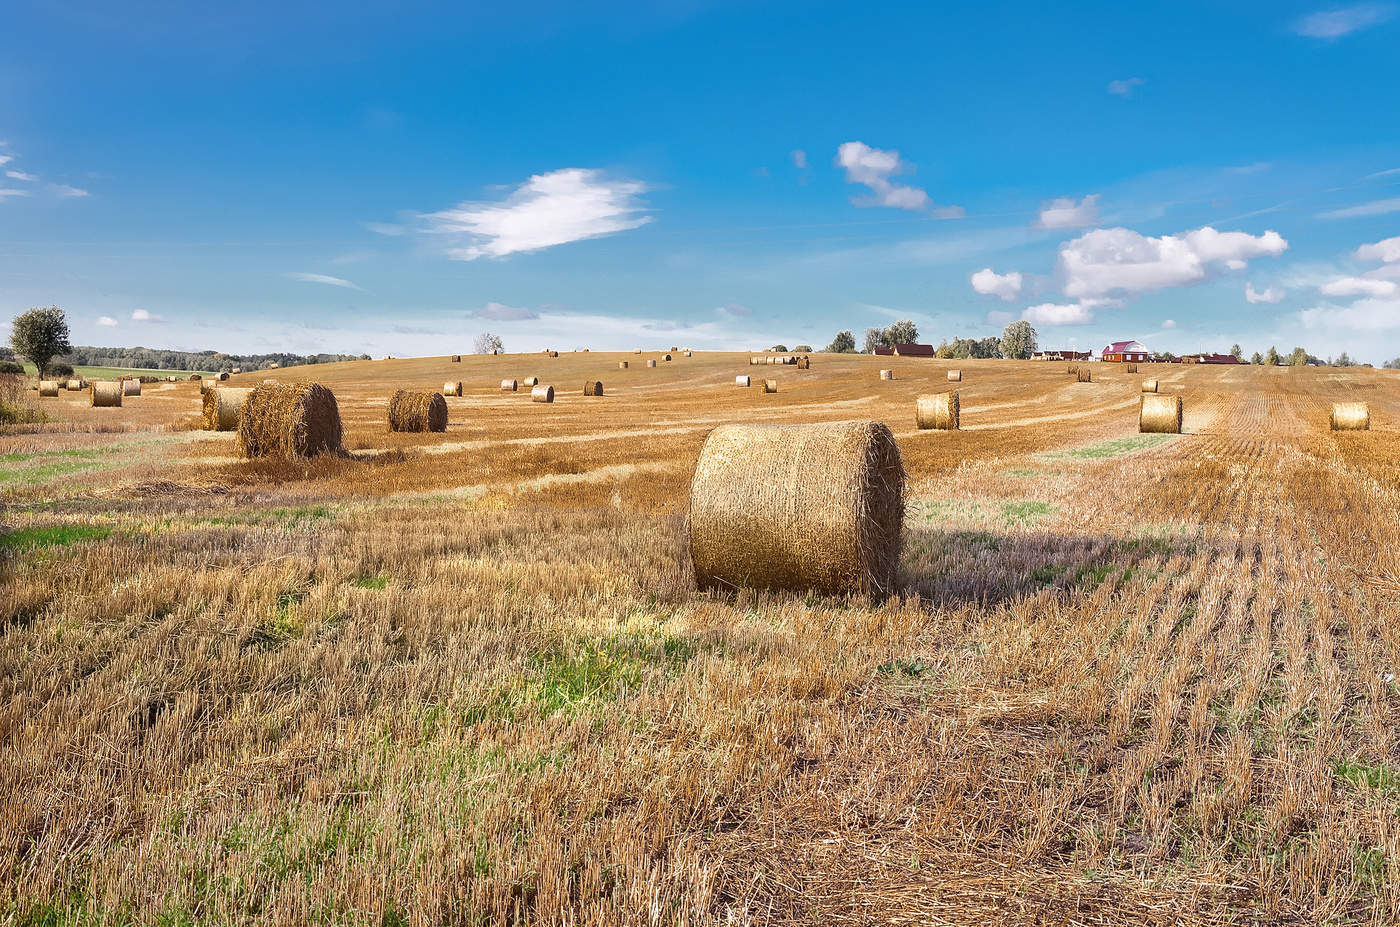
1298 358
779 348
802 349
1018 340
843 343
902 332
876 338
1256 358
40 335
1237 351
1272 357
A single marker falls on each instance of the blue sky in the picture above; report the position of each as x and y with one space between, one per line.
400 177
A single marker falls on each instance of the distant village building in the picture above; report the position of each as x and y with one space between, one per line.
1061 355
1209 359
1126 352
907 350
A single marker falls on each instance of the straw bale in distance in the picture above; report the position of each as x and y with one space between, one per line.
237 370
887 374
667 357
687 353
295 420
1351 416
754 361
509 386
48 387
804 362
222 405
636 350
674 348
938 410
593 388
954 376
1149 386
742 381
74 385
131 387
651 363
542 394
770 386
456 358
410 410
1084 375
798 507
105 393
530 381
451 388
622 365
1132 368
1159 414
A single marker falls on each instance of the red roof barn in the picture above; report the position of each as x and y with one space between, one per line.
1127 352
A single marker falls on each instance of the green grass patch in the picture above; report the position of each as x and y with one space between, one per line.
111 373
305 516
1025 511
1022 472
378 581
1376 777
52 536
1116 447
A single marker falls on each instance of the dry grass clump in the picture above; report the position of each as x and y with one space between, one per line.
452 388
509 386
593 388
542 394
743 381
48 388
222 405
887 374
954 376
295 420
411 410
1351 416
770 386
1149 386
105 394
798 507
1084 375
1159 414
938 410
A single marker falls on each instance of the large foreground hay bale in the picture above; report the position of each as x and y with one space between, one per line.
295 420
651 363
798 507
887 374
1351 416
411 410
1159 414
509 386
938 410
452 388
105 394
542 394
222 405
48 387
593 388
744 382
1149 386
131 387
954 376
1084 375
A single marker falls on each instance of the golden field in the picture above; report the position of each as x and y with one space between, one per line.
467 677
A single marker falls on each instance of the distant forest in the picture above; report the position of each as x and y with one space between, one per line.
154 358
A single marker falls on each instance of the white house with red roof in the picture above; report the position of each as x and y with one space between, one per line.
1127 352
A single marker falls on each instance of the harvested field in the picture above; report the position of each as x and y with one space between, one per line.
1124 678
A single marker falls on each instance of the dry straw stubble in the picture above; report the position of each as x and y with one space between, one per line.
411 410
1351 416
1159 414
941 411
798 507
295 420
222 405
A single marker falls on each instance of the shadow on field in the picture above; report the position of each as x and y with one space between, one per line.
989 568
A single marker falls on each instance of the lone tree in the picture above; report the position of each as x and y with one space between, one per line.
1298 357
1018 340
40 335
1272 357
843 343
1256 358
1237 351
487 343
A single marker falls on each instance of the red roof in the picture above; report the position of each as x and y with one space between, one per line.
1117 347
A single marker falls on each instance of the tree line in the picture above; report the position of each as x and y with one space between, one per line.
1018 341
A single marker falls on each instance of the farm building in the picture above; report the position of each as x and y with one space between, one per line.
1061 355
908 350
1209 359
1126 352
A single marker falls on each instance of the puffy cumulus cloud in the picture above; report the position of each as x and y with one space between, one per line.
1119 261
1270 294
1065 213
1358 286
142 315
1341 21
499 312
874 167
1059 314
106 321
573 204
1386 250
1003 286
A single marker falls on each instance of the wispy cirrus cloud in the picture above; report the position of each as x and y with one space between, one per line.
573 204
1373 208
1125 87
324 279
1342 21
64 190
11 191
500 312
735 309
20 175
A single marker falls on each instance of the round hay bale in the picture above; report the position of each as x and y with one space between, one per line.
1351 416
456 358
1149 386
75 385
553 353
452 389
1159 414
954 376
770 386
530 381
1073 368
770 360
509 386
1132 368
223 375
105 394
651 363
593 388
887 374
48 388
938 410
755 361
804 362
687 353
1084 375
222 405
542 394
131 387
667 357
237 370
798 507
636 350
674 348
622 365
744 382
295 420
410 410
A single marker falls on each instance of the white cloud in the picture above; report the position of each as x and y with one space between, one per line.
500 312
20 175
1373 208
385 228
1358 286
1270 294
1335 23
735 309
874 167
5 159
1121 261
1387 250
107 321
1059 314
143 315
551 209
1065 213
990 283
4 192
799 159
1370 314
1169 323
62 189
323 278
1124 88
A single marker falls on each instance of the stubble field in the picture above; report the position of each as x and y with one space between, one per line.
467 678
